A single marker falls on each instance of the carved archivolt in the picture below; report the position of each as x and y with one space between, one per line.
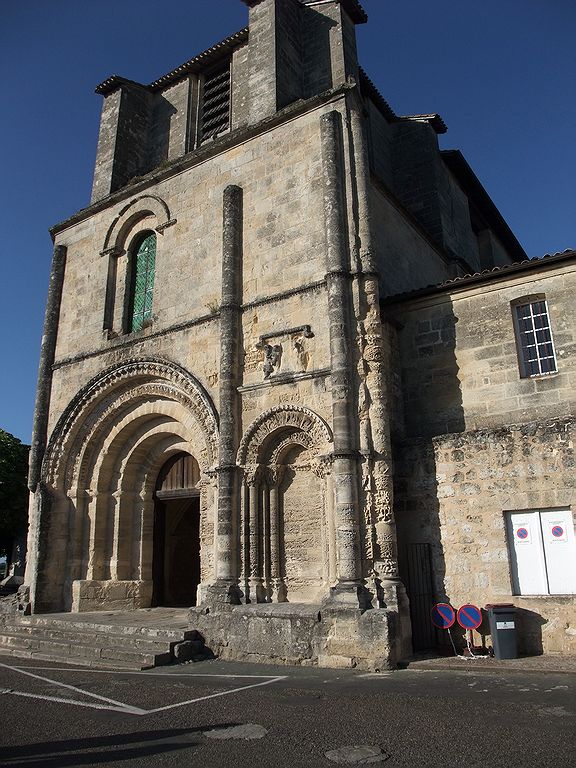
286 417
109 395
137 209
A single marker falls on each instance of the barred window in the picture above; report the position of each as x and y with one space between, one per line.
534 338
141 283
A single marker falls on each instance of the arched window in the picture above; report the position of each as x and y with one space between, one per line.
141 282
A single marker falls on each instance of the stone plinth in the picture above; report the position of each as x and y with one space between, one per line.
110 595
300 634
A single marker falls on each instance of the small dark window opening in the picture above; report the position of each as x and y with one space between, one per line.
214 117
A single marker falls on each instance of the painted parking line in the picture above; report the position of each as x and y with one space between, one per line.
117 704
122 707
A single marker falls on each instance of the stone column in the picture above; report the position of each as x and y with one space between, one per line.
345 458
38 556
374 401
277 582
226 561
254 569
243 542
47 352
374 375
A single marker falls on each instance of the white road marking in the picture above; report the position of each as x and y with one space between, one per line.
375 674
215 695
119 706
124 708
65 685
147 672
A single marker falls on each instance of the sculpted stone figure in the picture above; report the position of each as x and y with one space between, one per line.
272 357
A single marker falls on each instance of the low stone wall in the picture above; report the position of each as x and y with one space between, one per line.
15 604
546 623
297 634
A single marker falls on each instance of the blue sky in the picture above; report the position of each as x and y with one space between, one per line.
501 73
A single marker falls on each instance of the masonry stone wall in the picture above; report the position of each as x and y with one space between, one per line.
479 441
420 263
381 134
415 172
458 237
284 246
168 136
452 492
459 356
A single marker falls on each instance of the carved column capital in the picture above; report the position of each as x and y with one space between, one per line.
252 474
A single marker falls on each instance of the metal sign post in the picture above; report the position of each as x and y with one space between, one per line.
469 617
443 616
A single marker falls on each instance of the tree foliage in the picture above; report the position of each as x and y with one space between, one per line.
13 489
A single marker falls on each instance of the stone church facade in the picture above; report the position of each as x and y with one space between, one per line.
250 400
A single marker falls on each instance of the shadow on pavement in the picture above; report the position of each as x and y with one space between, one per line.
104 749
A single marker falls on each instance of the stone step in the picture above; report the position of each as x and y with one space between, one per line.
21 653
119 641
72 648
108 629
82 635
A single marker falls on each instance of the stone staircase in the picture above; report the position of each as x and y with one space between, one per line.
133 640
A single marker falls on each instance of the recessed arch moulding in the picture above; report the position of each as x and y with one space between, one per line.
287 541
92 518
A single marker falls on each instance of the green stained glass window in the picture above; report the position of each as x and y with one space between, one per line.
143 266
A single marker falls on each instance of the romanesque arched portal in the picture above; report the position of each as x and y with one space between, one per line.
99 481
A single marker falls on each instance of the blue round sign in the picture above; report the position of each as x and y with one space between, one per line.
469 616
443 615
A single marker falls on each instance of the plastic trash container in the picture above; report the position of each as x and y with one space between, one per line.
502 618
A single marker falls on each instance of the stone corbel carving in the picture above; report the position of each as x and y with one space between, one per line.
322 467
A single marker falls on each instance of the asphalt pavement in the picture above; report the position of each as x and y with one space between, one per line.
226 714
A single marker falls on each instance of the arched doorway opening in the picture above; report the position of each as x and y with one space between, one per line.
176 555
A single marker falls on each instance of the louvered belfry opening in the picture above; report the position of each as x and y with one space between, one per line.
215 102
176 554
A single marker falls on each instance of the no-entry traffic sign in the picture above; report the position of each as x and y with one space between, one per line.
469 616
443 615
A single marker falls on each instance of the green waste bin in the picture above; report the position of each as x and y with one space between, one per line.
502 618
